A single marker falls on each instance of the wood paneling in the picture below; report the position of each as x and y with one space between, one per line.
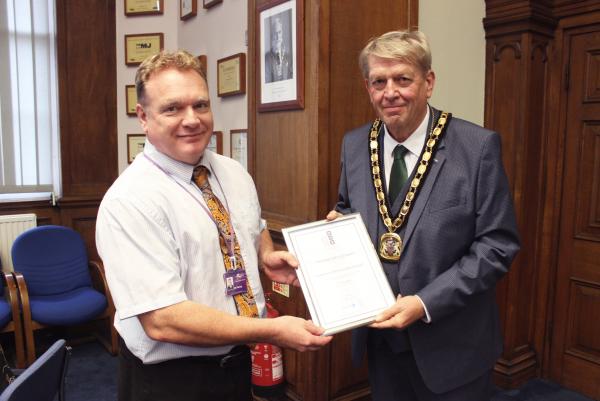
575 346
88 102
296 157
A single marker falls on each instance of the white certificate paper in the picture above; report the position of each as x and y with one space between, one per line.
340 273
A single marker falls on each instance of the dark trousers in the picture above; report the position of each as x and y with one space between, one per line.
394 376
218 378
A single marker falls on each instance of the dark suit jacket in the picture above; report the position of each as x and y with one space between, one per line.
459 240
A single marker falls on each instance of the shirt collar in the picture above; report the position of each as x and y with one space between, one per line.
414 143
173 167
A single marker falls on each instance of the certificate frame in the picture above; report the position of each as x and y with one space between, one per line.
135 146
187 9
238 146
130 100
340 273
280 31
210 3
231 75
216 142
203 65
140 46
133 8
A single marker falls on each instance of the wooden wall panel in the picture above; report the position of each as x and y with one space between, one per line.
87 90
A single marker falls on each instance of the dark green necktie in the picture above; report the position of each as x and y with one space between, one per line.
398 174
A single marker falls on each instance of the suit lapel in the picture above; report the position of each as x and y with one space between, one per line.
423 196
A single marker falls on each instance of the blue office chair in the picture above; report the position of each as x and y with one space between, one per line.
43 379
59 287
10 316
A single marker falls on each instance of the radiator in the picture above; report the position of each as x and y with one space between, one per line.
10 228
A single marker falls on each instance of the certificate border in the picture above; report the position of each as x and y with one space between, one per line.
132 140
157 35
128 100
240 75
305 282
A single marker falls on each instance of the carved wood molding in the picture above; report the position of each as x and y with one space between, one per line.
499 47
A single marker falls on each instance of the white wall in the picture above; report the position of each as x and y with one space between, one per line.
455 32
217 32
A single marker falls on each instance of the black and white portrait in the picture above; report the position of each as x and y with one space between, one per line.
278 42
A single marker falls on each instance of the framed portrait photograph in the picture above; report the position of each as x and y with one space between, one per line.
143 7
280 55
216 142
135 146
238 140
187 8
203 65
139 47
130 99
210 3
231 75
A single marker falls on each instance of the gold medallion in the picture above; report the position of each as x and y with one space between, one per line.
390 247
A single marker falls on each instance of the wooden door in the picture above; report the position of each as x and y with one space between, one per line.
575 344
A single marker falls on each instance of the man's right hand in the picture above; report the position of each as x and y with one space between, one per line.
332 215
297 333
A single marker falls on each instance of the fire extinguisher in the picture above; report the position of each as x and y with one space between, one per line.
267 364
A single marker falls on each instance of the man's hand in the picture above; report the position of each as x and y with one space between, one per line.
280 266
333 214
299 334
402 314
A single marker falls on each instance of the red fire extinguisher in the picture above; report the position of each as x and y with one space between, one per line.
267 364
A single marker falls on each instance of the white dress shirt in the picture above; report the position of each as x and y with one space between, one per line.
160 247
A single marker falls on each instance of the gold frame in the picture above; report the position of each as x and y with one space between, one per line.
145 42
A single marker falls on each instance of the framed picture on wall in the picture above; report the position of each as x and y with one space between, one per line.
130 99
231 75
139 47
238 140
187 8
280 55
143 7
216 142
210 3
203 65
135 146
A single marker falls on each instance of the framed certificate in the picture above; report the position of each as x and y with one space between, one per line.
139 47
342 279
187 9
130 99
238 140
203 65
231 75
135 145
143 7
216 142
210 3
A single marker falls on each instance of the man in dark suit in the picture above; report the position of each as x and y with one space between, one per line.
436 202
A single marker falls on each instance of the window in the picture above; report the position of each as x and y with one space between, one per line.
29 140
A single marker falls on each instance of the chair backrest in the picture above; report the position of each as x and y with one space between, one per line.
52 259
43 379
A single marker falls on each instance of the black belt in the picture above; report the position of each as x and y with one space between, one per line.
238 355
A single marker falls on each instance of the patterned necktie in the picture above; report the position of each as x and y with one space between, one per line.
246 305
398 174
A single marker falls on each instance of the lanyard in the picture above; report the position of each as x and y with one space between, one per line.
227 238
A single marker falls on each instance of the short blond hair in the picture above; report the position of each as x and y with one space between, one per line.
180 59
411 47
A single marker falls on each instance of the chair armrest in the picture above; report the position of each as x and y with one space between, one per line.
99 281
13 297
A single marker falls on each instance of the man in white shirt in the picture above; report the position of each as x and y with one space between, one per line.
168 258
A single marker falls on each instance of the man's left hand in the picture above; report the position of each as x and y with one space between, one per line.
280 266
402 314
